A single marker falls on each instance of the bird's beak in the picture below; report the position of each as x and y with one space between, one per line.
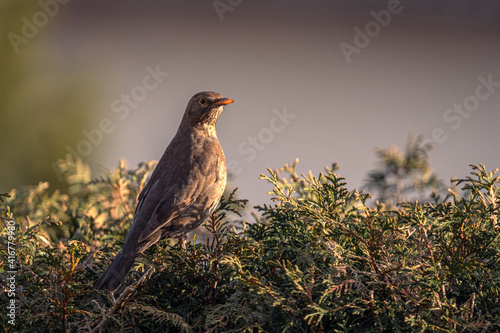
224 101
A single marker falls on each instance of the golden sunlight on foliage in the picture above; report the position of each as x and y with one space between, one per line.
318 259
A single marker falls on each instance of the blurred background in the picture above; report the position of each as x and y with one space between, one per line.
320 81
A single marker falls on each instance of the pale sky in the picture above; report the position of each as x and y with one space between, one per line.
297 93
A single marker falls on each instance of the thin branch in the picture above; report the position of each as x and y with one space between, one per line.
120 301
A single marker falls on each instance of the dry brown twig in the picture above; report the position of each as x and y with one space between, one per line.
124 296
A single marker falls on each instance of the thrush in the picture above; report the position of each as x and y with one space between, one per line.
184 189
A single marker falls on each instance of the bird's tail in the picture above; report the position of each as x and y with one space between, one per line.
116 272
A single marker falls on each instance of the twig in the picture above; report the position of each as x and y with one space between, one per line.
120 301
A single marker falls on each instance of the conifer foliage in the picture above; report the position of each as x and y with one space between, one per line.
318 259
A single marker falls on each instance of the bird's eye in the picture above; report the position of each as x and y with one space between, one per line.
203 101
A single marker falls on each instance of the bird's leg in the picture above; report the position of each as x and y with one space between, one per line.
182 242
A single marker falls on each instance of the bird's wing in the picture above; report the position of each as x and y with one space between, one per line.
179 195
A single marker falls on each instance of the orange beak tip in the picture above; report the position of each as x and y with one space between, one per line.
224 101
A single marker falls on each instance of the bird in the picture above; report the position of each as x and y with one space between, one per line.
183 190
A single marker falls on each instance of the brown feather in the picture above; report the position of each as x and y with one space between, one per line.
183 190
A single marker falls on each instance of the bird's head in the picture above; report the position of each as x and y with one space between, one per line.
204 109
